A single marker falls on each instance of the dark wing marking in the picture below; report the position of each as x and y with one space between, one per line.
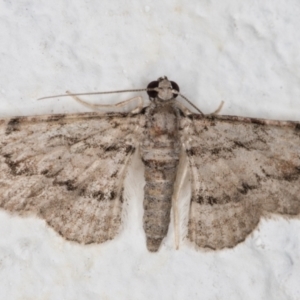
68 170
241 169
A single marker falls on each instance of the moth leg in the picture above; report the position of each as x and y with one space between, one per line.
216 112
194 177
117 205
114 107
184 109
180 178
188 112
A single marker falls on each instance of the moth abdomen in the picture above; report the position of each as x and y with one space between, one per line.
160 152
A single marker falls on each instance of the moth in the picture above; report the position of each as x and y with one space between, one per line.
70 170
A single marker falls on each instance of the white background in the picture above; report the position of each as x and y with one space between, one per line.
245 53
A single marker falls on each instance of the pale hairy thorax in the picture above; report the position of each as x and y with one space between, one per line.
70 170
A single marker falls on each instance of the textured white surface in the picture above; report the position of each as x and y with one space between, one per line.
245 53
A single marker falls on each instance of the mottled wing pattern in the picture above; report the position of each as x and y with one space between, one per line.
241 169
68 170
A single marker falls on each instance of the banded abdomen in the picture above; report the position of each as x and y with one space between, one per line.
160 151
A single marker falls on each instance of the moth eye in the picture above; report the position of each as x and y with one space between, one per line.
175 87
152 85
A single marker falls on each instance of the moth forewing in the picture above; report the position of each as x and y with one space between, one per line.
242 169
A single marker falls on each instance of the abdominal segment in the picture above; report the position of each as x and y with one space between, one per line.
157 203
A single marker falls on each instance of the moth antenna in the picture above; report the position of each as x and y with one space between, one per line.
95 93
188 101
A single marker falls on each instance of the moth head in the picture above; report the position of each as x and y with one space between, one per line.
162 89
